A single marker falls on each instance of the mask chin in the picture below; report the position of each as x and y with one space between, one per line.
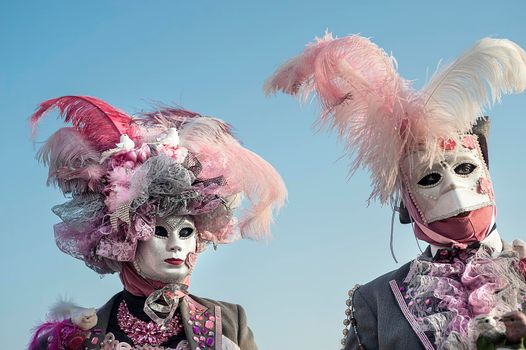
470 228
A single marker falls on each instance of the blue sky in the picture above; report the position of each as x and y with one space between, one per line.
213 57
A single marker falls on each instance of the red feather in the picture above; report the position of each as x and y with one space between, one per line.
96 120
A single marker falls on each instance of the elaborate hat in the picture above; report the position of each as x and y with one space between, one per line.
123 172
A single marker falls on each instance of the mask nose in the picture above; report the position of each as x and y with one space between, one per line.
173 243
449 184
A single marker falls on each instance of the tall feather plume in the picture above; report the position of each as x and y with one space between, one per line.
457 95
73 162
97 121
361 96
245 172
296 74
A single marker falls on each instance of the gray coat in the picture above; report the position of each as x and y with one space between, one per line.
380 320
230 322
383 320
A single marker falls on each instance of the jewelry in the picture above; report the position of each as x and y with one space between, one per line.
146 333
350 321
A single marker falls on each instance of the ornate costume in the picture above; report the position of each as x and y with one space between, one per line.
427 154
147 195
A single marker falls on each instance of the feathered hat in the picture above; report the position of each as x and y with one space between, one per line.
123 172
381 117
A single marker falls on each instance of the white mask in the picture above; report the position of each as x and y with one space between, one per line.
456 184
164 257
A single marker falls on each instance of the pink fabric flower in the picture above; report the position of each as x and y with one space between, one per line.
130 158
143 153
448 145
485 186
176 153
124 159
469 142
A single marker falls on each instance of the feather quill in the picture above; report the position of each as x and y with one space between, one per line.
97 121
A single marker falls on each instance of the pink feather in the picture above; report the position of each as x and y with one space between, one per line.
43 332
73 162
245 172
380 117
362 97
97 121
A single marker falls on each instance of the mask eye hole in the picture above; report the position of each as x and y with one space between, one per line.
464 168
186 232
430 180
161 231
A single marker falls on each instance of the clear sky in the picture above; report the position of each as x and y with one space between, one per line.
213 57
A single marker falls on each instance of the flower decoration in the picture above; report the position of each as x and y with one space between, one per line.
448 145
469 142
175 152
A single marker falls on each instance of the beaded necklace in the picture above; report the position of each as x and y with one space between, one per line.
146 333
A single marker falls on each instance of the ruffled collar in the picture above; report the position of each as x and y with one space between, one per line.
492 241
445 296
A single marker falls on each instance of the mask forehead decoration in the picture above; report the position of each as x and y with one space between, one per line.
385 122
134 179
456 183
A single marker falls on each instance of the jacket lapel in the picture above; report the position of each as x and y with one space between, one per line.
202 325
395 289
396 284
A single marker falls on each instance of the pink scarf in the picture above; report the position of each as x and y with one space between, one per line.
135 284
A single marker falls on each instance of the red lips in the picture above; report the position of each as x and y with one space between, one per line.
172 261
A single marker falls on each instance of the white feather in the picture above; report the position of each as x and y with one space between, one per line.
85 318
62 309
457 96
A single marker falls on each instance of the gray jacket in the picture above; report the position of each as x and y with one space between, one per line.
231 327
381 319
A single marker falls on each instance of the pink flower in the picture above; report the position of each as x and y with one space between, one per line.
124 158
448 144
469 142
485 187
143 153
176 153
130 158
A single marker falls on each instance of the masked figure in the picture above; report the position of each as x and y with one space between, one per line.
427 154
148 195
